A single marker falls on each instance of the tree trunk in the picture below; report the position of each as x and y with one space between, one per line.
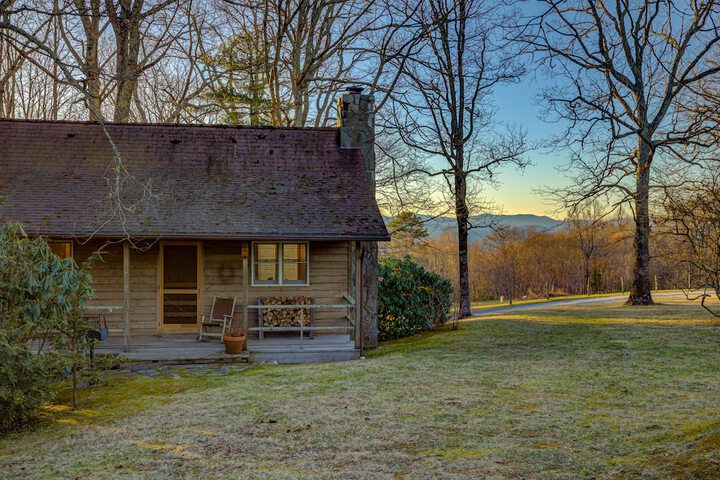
586 262
92 67
640 292
298 118
462 214
74 386
126 84
126 25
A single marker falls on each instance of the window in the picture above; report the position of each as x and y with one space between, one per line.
280 263
61 249
294 263
266 264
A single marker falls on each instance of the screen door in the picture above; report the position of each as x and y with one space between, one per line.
180 286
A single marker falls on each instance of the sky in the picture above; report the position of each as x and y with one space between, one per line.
518 104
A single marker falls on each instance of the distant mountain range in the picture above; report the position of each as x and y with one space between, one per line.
524 221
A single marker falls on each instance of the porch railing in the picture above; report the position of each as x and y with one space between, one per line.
302 329
349 317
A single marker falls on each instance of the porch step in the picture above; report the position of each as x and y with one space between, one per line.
304 356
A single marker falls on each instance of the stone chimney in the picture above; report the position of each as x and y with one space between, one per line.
356 119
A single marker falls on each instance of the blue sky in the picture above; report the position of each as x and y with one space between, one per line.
518 104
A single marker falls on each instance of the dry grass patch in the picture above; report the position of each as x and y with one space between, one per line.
574 393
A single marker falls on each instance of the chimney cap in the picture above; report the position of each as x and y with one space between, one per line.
354 89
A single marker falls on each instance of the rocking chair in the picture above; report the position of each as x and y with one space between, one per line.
221 316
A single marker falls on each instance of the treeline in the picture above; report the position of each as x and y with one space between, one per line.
633 113
515 263
199 61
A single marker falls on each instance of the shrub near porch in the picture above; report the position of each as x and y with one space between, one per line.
410 299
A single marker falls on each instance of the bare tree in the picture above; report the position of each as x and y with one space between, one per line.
586 222
503 262
133 55
625 69
13 55
92 21
112 48
301 45
310 50
27 80
172 89
119 178
441 109
692 212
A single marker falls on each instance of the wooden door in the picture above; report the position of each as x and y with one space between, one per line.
180 286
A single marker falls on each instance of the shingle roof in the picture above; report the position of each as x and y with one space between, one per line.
208 181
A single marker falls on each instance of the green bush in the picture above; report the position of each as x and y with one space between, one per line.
410 298
25 382
41 300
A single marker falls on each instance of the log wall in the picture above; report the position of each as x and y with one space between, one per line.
108 284
328 279
222 275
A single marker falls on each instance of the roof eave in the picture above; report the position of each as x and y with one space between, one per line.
238 237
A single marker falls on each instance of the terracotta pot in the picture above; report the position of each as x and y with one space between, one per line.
234 345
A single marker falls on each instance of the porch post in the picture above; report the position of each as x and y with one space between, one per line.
245 280
126 293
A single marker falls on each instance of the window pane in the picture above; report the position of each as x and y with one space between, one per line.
294 272
295 251
180 267
61 249
265 260
266 272
294 263
266 252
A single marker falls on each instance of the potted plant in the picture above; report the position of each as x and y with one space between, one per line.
234 339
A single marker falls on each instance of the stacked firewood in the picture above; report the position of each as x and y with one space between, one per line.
285 317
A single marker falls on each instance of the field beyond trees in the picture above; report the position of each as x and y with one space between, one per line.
602 392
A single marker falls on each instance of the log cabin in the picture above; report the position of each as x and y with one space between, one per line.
187 213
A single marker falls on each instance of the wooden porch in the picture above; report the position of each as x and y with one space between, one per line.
327 329
182 348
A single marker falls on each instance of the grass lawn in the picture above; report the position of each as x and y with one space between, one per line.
581 392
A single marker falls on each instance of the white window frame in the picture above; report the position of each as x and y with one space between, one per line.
280 282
